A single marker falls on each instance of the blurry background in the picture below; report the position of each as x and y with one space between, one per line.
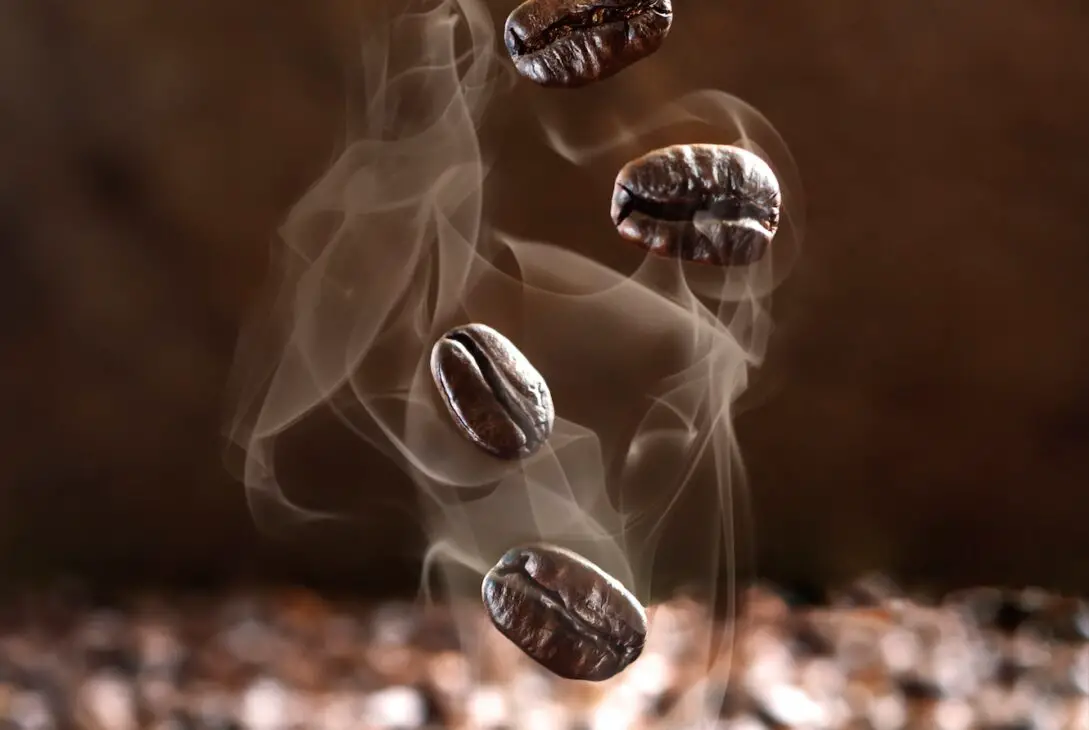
926 406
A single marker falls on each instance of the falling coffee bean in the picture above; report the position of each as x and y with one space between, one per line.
571 43
565 612
497 399
711 204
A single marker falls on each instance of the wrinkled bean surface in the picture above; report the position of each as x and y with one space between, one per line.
565 612
571 43
712 204
495 396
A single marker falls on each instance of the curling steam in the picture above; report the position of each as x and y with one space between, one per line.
391 248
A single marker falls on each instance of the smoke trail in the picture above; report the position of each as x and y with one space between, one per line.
392 247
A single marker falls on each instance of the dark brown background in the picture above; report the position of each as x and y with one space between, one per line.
929 380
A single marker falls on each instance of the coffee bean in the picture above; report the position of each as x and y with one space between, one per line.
564 612
571 43
497 399
712 204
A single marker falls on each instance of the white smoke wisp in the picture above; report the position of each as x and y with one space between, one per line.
392 247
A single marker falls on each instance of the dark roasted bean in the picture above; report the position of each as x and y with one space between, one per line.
1017 608
1061 619
712 204
571 43
497 399
564 612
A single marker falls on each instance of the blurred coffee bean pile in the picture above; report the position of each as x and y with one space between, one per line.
869 657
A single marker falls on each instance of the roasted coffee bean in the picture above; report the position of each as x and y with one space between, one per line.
712 204
497 399
571 43
564 612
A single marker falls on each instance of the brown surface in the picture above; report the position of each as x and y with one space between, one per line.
976 660
926 400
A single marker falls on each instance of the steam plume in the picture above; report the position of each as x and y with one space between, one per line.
391 247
